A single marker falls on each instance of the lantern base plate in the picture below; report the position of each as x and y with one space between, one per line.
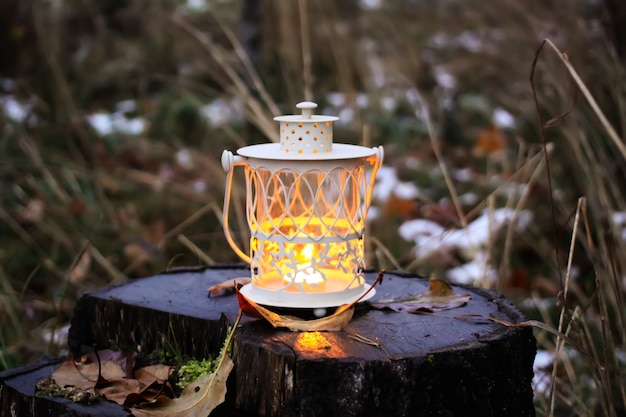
305 300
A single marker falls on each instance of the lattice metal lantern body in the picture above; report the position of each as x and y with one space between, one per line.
306 204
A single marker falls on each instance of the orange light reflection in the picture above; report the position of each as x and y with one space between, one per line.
316 344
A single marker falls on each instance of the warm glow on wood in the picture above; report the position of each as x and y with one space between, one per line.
314 344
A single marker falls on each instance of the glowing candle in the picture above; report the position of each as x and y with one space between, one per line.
306 203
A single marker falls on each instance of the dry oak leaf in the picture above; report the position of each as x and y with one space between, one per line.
228 286
148 385
335 322
198 399
119 390
438 297
489 141
86 374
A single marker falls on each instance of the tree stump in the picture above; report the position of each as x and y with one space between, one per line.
452 363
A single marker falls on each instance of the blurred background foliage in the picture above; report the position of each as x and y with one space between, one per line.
114 113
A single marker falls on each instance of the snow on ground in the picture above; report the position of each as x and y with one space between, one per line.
619 218
430 238
118 121
19 111
476 270
14 109
221 111
542 369
503 119
387 183
108 123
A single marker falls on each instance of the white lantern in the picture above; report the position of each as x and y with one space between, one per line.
306 203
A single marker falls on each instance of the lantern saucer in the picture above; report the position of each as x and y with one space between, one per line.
339 151
305 300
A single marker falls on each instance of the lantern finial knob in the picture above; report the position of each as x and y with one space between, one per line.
307 108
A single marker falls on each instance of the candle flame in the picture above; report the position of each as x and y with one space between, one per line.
305 273
307 252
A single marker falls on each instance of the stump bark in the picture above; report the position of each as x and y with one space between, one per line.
453 363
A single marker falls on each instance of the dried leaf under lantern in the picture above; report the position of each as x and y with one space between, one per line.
335 322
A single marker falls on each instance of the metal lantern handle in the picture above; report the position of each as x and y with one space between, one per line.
229 162
380 154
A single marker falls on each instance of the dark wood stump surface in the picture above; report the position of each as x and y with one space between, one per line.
443 364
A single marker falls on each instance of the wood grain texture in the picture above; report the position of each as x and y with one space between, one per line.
453 363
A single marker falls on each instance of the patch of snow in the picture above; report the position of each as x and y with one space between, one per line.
388 103
412 162
463 175
107 123
444 78
362 100
371 4
336 99
426 234
413 96
377 71
133 126
388 184
472 240
503 118
101 122
468 199
386 179
619 218
542 369
406 190
183 159
346 116
471 41
14 109
511 189
473 271
126 106
430 238
372 213
440 40
197 6
58 337
221 111
199 186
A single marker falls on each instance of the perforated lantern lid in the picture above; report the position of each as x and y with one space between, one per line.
306 137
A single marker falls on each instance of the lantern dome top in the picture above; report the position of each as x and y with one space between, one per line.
307 115
306 136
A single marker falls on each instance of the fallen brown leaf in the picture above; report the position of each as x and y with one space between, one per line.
198 399
119 390
149 384
228 286
153 373
489 141
438 297
86 374
334 322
